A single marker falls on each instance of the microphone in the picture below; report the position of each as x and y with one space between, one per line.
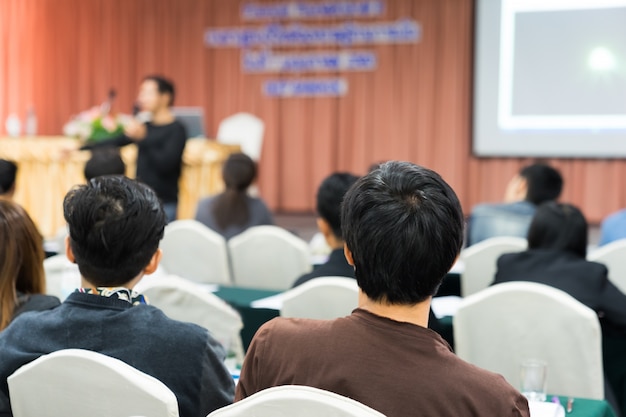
105 107
141 116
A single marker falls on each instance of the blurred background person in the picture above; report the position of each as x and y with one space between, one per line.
104 161
613 228
160 141
557 248
234 211
535 184
22 279
329 197
8 172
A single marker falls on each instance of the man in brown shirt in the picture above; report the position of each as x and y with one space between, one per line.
403 228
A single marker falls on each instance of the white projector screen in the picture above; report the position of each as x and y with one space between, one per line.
550 78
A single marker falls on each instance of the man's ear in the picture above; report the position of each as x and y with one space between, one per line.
348 254
522 188
324 227
68 250
516 189
154 262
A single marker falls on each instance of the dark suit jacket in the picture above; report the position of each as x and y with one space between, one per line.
336 266
34 302
585 281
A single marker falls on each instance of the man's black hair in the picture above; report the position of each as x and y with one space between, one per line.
329 197
8 172
404 226
104 161
544 183
164 86
559 227
115 225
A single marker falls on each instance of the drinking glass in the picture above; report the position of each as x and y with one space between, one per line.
534 379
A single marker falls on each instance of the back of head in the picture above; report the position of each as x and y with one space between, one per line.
544 183
239 171
115 225
559 227
404 226
21 258
231 207
329 197
8 172
104 161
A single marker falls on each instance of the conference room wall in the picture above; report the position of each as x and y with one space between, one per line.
62 56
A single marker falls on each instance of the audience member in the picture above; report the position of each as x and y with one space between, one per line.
557 247
534 185
613 228
22 279
115 225
104 161
329 197
8 172
403 230
233 211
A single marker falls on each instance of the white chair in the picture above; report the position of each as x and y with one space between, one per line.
184 300
62 276
504 325
76 382
268 257
480 261
321 298
296 401
613 255
193 251
243 129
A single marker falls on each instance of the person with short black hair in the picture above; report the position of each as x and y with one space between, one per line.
403 230
556 256
329 197
104 161
535 184
160 141
8 172
115 226
233 211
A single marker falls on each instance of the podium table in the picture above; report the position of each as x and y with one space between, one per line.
46 171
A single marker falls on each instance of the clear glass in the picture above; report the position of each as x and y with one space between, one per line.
534 379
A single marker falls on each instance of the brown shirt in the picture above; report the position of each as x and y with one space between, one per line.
399 369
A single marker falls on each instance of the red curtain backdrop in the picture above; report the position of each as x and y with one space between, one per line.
62 56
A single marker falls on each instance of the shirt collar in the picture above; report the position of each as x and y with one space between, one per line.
121 293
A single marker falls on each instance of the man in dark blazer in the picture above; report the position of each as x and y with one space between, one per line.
557 245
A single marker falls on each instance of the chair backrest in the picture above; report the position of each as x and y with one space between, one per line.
243 129
268 257
76 382
62 276
613 255
321 298
480 261
504 325
183 300
193 251
296 401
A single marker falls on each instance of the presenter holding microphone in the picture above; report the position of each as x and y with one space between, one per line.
160 141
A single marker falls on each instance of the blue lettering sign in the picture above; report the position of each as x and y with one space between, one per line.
331 87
